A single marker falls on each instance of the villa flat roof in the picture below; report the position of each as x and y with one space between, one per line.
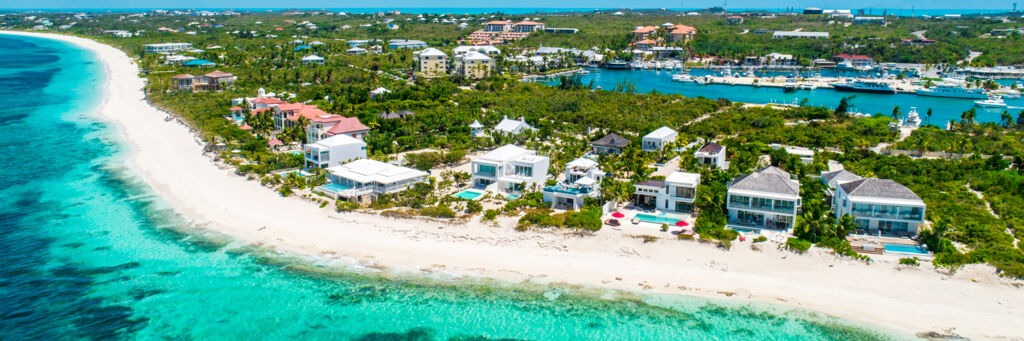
368 170
661 133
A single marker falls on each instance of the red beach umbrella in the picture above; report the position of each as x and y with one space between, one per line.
682 223
618 215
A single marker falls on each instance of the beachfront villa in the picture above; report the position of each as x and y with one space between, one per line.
365 179
166 48
831 180
582 180
609 144
658 138
711 154
676 193
213 81
431 61
512 127
474 64
767 198
509 169
880 206
334 151
321 124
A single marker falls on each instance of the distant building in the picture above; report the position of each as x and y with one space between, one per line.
395 44
857 60
561 30
213 81
313 59
799 34
609 144
527 27
512 127
119 33
813 10
497 26
681 33
880 205
334 151
869 20
734 20
641 33
167 47
474 64
431 61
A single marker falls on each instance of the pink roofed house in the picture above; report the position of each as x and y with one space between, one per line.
643 32
321 124
681 33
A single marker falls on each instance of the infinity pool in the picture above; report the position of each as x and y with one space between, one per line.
909 249
468 194
656 219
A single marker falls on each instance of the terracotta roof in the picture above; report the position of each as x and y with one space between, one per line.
645 29
683 29
347 125
182 76
245 127
274 142
260 110
852 56
498 22
646 41
235 109
268 100
218 74
528 23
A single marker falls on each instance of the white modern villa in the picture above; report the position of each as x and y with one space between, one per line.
658 138
675 194
880 205
582 179
334 151
768 198
509 169
711 154
365 179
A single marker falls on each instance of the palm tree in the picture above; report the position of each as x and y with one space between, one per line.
929 115
1006 119
896 113
967 117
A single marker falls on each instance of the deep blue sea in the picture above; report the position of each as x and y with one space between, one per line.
87 252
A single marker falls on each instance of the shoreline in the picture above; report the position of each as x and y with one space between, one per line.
168 158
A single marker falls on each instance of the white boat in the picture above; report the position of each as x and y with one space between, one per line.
952 91
1008 93
991 102
701 80
682 77
807 86
913 119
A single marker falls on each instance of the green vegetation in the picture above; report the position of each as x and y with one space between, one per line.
910 261
798 245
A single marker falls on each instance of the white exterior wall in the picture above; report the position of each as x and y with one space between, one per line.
336 155
843 205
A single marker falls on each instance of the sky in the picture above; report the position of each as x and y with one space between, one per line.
588 4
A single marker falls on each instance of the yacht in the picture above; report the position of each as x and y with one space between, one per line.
807 86
913 119
948 90
847 66
682 77
864 86
1007 93
991 102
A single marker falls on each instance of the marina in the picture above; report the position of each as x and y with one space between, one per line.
770 87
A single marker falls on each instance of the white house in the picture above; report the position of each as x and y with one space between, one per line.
880 205
334 151
512 127
167 47
509 169
833 180
378 92
365 179
312 59
431 60
474 64
676 193
768 198
582 180
711 154
658 139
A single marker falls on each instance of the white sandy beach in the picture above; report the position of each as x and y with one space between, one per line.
972 303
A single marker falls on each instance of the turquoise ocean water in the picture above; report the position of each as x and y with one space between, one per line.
88 253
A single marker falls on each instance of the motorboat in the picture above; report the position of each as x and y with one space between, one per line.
864 86
991 102
913 119
682 77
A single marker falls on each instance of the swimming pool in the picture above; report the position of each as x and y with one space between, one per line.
745 230
334 187
908 249
468 194
656 219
